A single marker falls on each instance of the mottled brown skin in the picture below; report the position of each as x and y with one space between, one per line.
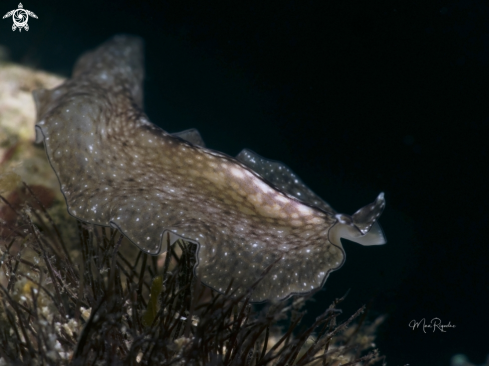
118 169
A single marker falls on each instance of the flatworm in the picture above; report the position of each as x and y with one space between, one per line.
246 213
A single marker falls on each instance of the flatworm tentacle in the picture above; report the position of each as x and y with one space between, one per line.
192 135
117 169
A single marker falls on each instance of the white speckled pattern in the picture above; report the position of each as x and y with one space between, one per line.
118 169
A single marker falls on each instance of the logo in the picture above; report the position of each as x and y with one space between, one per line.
20 17
434 325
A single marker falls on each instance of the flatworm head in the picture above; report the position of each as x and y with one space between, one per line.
245 214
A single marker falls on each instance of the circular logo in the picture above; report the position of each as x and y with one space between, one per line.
20 18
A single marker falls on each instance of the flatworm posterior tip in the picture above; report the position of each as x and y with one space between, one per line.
247 215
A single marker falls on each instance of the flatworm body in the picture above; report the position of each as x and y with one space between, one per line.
117 169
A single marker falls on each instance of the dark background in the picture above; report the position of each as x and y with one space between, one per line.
357 97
